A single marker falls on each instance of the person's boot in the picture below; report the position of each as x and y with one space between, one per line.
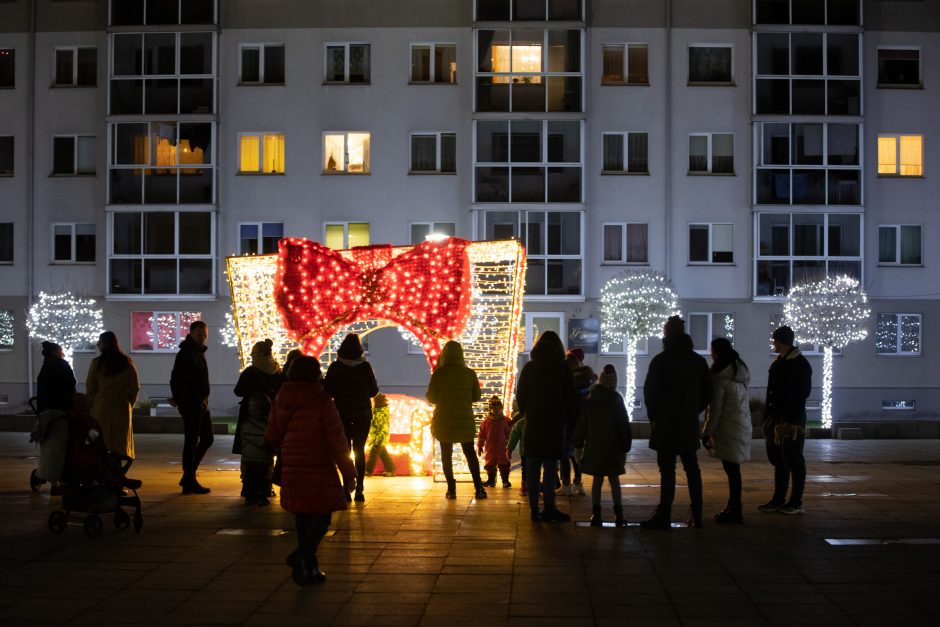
451 490
480 493
298 569
619 521
191 486
733 513
661 520
596 520
312 572
490 479
695 519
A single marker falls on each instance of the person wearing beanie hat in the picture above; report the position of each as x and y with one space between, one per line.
351 382
55 385
493 439
677 389
379 436
603 433
257 386
788 386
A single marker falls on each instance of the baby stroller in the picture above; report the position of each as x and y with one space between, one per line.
93 478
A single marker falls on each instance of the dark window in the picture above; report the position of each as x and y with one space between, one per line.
7 67
772 12
6 155
263 64
698 242
493 10
710 64
63 155
898 67
127 12
6 242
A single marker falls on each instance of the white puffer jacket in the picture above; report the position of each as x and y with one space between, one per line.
728 418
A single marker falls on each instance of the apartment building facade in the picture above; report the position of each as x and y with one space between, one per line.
737 146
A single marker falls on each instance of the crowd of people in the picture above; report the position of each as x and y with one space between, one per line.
566 420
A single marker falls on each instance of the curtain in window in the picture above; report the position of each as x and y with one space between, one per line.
336 63
637 147
273 154
445 64
359 63
637 243
423 153
709 64
448 152
613 153
910 244
887 245
420 64
638 64
723 154
613 242
251 65
613 64
698 153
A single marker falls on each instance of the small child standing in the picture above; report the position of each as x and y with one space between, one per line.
378 437
494 436
517 436
603 430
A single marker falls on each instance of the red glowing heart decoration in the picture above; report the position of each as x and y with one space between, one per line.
426 290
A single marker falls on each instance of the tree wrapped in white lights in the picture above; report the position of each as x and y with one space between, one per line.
228 335
635 305
65 319
6 328
832 313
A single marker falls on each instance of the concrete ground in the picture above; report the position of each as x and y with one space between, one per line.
409 557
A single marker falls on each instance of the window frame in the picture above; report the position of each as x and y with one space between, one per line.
510 9
8 315
432 226
345 224
345 44
920 67
155 314
897 345
625 51
73 246
710 155
367 166
260 224
179 13
898 253
625 157
624 241
143 256
432 64
261 135
12 259
12 170
76 137
710 334
12 51
861 8
692 83
528 332
897 156
438 153
261 48
711 244
74 50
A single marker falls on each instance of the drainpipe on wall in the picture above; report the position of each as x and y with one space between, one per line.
30 182
667 178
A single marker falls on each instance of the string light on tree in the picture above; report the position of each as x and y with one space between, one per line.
68 320
832 313
635 305
228 335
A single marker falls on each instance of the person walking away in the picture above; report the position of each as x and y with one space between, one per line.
452 390
306 428
111 389
55 385
788 386
257 386
603 432
189 384
546 397
677 389
351 382
583 378
493 440
517 437
379 436
727 431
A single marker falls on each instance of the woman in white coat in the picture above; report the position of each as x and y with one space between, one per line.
727 430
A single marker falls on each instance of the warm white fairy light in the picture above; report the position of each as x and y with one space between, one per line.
68 320
831 312
635 305
228 336
6 329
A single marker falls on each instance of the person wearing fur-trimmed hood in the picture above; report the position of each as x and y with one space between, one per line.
257 386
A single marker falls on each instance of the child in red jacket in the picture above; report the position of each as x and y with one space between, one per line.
494 435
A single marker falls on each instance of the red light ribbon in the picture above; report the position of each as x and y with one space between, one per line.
426 289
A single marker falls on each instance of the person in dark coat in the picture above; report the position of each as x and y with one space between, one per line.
603 431
677 390
788 386
257 386
55 386
453 389
351 382
546 398
189 384
306 428
583 378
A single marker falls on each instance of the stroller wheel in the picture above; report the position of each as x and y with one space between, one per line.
34 480
93 526
138 521
58 520
121 519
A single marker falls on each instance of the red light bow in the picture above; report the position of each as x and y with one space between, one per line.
426 289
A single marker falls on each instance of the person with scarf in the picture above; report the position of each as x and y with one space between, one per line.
351 382
111 389
257 386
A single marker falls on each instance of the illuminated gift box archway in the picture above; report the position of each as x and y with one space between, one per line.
309 296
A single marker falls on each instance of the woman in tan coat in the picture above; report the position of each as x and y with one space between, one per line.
112 387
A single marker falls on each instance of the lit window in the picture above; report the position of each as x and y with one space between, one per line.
160 331
76 67
626 243
636 160
343 235
711 243
346 153
898 334
6 155
433 152
901 155
73 243
899 67
6 242
7 67
705 327
347 63
261 153
259 238
710 64
262 64
7 330
711 153
636 66
422 231
900 244
433 63
73 154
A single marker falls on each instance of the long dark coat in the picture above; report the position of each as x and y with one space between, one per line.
604 431
547 398
189 381
677 390
351 383
55 386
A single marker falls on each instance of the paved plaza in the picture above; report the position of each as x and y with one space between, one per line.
409 557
